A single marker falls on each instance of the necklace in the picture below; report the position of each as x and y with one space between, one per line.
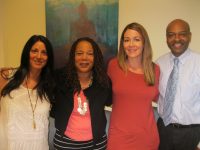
88 84
32 107
82 109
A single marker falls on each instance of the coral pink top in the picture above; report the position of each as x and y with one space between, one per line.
79 126
132 125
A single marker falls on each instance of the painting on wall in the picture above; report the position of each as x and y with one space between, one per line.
67 20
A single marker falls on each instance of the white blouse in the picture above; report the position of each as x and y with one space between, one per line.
16 119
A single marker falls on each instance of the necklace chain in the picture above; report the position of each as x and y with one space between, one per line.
89 84
32 107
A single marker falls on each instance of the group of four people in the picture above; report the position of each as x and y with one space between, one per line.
76 95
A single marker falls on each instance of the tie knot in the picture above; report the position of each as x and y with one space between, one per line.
176 61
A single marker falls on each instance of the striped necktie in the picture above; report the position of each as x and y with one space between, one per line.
170 93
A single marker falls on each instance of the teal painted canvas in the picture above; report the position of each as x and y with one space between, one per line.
67 20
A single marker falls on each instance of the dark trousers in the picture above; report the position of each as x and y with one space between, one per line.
178 138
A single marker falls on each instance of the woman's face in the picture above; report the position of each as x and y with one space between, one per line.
84 57
38 56
133 44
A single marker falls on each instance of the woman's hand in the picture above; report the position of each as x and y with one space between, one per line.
4 76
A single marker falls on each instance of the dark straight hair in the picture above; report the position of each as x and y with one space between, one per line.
43 87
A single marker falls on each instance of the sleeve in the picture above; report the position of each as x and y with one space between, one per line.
109 67
52 111
109 99
198 145
3 124
157 76
59 78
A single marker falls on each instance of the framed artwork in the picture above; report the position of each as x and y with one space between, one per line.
68 20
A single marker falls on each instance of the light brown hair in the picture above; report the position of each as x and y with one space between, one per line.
147 64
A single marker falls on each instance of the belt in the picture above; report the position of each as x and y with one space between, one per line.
176 125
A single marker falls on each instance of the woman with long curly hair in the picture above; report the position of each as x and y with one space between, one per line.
83 89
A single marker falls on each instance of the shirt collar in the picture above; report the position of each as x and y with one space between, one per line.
182 58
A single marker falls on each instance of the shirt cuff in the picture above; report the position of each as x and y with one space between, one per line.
198 145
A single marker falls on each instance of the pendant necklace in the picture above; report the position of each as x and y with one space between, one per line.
32 107
82 109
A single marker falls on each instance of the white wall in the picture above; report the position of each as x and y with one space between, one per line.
154 15
1 35
26 17
23 18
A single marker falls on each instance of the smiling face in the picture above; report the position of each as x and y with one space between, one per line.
38 56
133 44
84 57
178 37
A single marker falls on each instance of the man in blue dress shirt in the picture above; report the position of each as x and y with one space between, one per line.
179 122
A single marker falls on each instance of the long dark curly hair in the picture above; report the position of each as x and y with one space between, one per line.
45 85
98 70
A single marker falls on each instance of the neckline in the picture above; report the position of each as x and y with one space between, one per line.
26 87
140 74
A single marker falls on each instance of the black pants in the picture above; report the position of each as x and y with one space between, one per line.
178 138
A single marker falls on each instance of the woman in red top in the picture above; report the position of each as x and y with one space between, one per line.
135 85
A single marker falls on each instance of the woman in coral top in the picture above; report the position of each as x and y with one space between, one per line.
135 85
83 90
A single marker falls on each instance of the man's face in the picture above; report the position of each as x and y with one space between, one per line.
178 37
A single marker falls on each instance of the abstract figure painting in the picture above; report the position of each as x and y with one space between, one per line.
67 20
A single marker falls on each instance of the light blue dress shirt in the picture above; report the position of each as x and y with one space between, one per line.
186 108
